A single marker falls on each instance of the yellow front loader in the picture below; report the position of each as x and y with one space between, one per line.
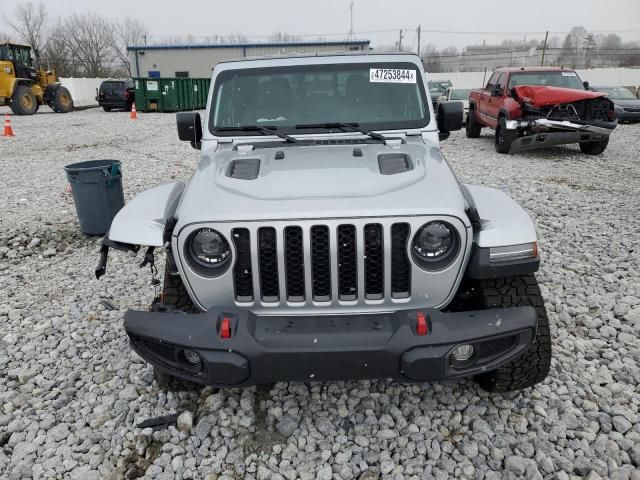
24 88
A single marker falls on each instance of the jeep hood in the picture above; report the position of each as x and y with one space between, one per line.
541 96
321 181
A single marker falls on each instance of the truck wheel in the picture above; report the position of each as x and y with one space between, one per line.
62 102
174 294
23 101
473 127
533 366
174 297
502 139
106 109
594 148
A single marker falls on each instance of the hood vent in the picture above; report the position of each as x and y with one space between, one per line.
244 169
392 163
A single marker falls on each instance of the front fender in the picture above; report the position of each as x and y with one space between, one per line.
143 219
503 222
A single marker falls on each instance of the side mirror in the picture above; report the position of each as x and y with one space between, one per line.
450 116
586 85
189 128
496 91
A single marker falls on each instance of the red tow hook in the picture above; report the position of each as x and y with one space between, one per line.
422 328
225 328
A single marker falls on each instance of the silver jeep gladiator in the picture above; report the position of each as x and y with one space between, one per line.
323 236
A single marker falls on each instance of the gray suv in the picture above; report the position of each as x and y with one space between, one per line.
323 236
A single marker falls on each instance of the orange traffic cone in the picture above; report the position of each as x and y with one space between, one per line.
8 131
134 113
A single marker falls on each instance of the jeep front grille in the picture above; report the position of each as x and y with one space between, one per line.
322 263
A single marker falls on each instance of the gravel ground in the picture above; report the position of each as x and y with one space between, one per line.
72 394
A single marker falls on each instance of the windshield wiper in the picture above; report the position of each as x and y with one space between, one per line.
354 127
265 130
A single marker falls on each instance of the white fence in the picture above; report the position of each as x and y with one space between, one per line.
595 76
83 90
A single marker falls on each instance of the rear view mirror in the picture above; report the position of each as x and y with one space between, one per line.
450 116
586 85
496 91
189 128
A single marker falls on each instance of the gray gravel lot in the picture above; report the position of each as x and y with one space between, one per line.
72 392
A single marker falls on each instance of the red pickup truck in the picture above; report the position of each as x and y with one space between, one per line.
531 107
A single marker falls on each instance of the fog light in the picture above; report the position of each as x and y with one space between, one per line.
192 357
462 353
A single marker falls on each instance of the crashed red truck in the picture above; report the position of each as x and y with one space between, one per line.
531 108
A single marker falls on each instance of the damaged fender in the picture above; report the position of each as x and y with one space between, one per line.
502 221
505 244
142 220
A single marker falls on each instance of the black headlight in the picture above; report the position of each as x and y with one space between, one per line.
435 245
208 251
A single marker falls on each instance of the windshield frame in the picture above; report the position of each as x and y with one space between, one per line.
522 73
421 124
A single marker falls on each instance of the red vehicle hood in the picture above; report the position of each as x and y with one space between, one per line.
540 96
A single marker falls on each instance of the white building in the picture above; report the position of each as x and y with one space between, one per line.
196 60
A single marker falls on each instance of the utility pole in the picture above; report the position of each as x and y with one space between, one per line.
419 32
145 40
351 35
544 47
400 41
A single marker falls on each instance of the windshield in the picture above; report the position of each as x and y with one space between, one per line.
460 94
616 93
549 79
380 96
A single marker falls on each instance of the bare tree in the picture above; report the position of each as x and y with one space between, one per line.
29 22
89 41
5 37
127 32
56 55
283 37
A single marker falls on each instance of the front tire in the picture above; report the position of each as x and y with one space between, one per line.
594 148
106 109
502 139
62 102
533 366
473 128
174 297
23 101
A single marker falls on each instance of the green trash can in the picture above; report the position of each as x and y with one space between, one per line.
96 186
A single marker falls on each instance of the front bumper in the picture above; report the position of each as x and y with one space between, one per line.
544 132
625 116
266 349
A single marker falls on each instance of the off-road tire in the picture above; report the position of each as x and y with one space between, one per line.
473 128
62 101
23 101
533 366
594 148
174 295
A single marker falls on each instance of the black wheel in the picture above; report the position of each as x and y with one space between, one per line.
106 109
23 101
473 128
62 102
502 139
594 148
174 295
533 366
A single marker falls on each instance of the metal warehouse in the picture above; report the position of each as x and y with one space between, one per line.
198 60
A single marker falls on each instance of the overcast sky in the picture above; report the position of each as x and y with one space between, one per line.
259 18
